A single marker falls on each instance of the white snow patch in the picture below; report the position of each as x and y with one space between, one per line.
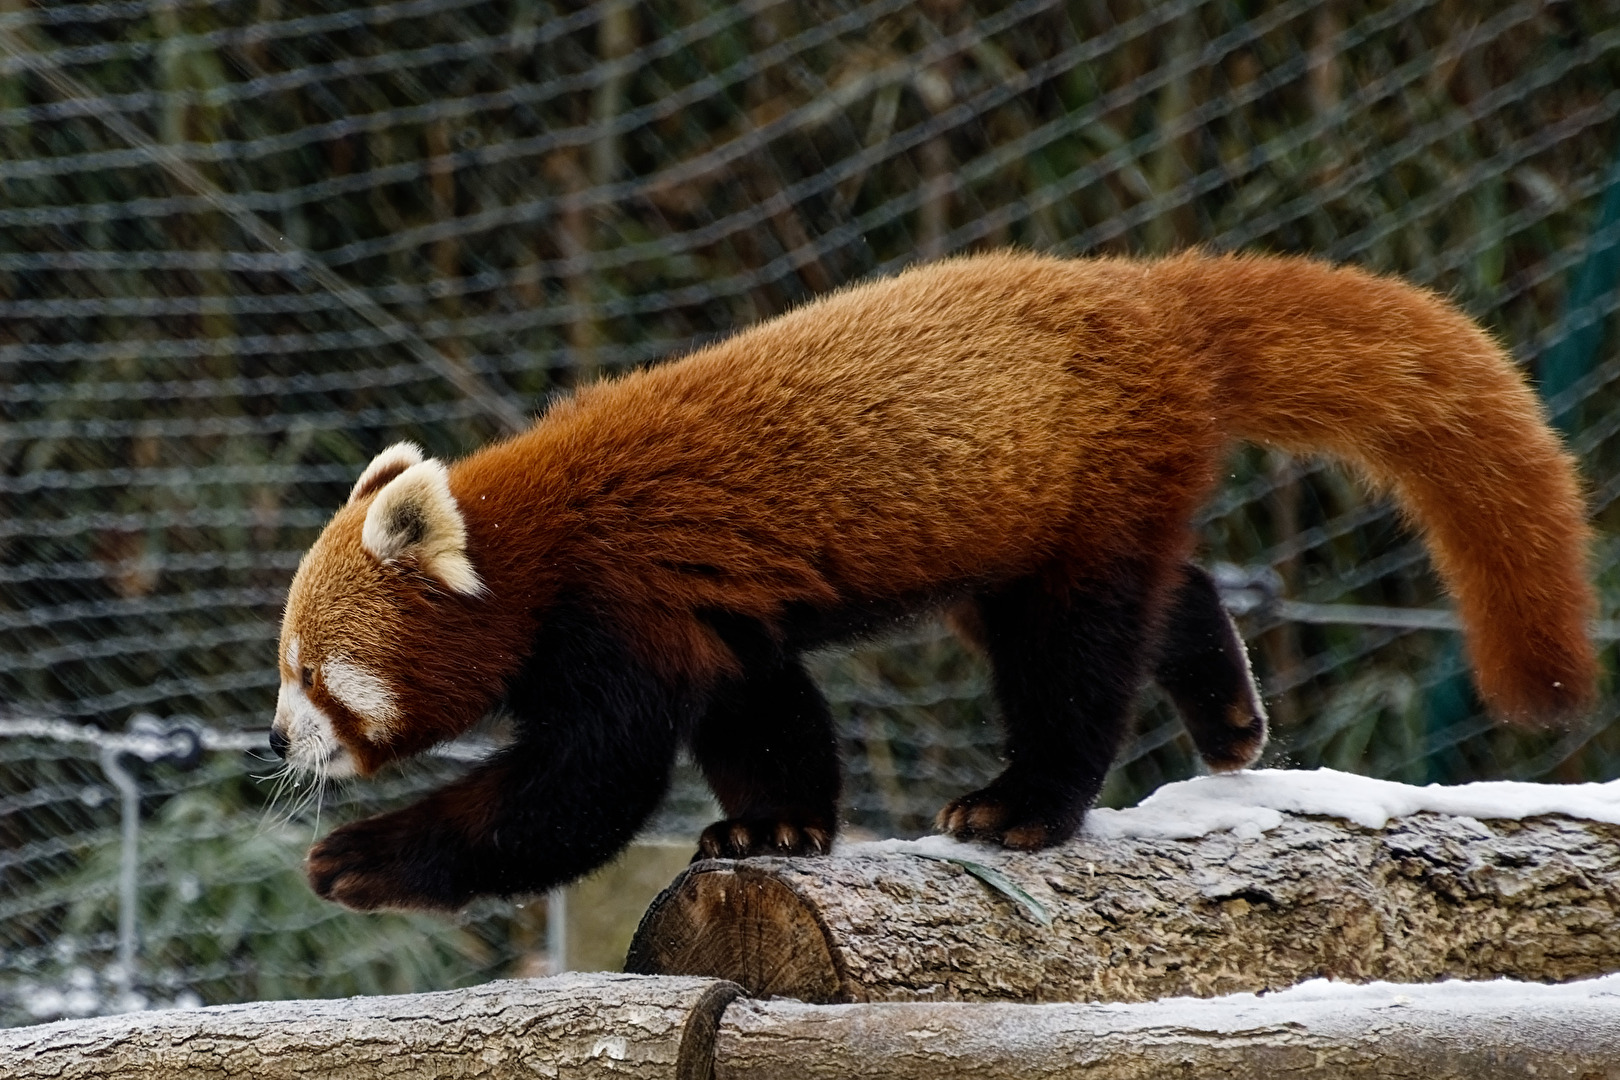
1252 802
939 847
1324 999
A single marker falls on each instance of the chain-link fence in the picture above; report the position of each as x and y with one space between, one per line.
244 244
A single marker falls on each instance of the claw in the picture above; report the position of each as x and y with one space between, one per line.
1009 819
740 838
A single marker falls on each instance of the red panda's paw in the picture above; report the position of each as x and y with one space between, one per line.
1010 818
738 838
370 864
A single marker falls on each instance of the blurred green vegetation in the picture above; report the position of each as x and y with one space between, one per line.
228 905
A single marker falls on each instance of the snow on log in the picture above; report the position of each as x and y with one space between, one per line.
1246 882
1321 1031
584 1027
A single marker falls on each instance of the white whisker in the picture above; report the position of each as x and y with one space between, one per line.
282 778
320 791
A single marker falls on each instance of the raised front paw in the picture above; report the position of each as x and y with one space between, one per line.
1004 815
738 838
381 862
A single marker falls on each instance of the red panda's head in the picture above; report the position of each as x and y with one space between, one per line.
374 653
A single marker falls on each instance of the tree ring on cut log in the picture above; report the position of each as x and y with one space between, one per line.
724 918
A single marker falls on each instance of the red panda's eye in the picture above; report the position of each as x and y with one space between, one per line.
307 677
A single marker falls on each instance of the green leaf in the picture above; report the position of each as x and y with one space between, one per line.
997 881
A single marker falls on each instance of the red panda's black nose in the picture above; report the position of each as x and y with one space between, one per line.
278 743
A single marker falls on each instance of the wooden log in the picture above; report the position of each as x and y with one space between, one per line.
1455 1031
584 1027
1133 919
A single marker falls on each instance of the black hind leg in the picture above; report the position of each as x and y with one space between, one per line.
1205 669
1067 667
766 747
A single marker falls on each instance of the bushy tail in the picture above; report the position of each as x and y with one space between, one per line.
1397 381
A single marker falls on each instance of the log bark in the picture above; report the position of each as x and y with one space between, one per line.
583 1027
1385 1032
1425 898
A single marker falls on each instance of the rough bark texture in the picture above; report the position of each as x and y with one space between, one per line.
576 1026
1427 1036
1428 897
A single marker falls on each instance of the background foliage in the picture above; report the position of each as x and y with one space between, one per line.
244 244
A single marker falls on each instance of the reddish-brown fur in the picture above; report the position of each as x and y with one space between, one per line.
981 419
1400 383
1007 430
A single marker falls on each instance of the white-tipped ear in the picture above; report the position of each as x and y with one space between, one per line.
415 516
384 467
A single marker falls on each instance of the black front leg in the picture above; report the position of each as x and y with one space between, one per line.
767 748
521 823
596 739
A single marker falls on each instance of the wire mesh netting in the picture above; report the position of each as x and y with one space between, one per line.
244 244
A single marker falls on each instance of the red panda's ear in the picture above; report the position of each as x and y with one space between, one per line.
414 516
384 467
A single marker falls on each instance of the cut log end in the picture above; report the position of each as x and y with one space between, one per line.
721 915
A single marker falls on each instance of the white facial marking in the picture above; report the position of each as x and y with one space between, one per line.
361 692
312 746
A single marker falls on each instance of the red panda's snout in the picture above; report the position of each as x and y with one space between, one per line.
303 733
334 716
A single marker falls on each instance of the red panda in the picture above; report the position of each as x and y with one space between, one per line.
1021 439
